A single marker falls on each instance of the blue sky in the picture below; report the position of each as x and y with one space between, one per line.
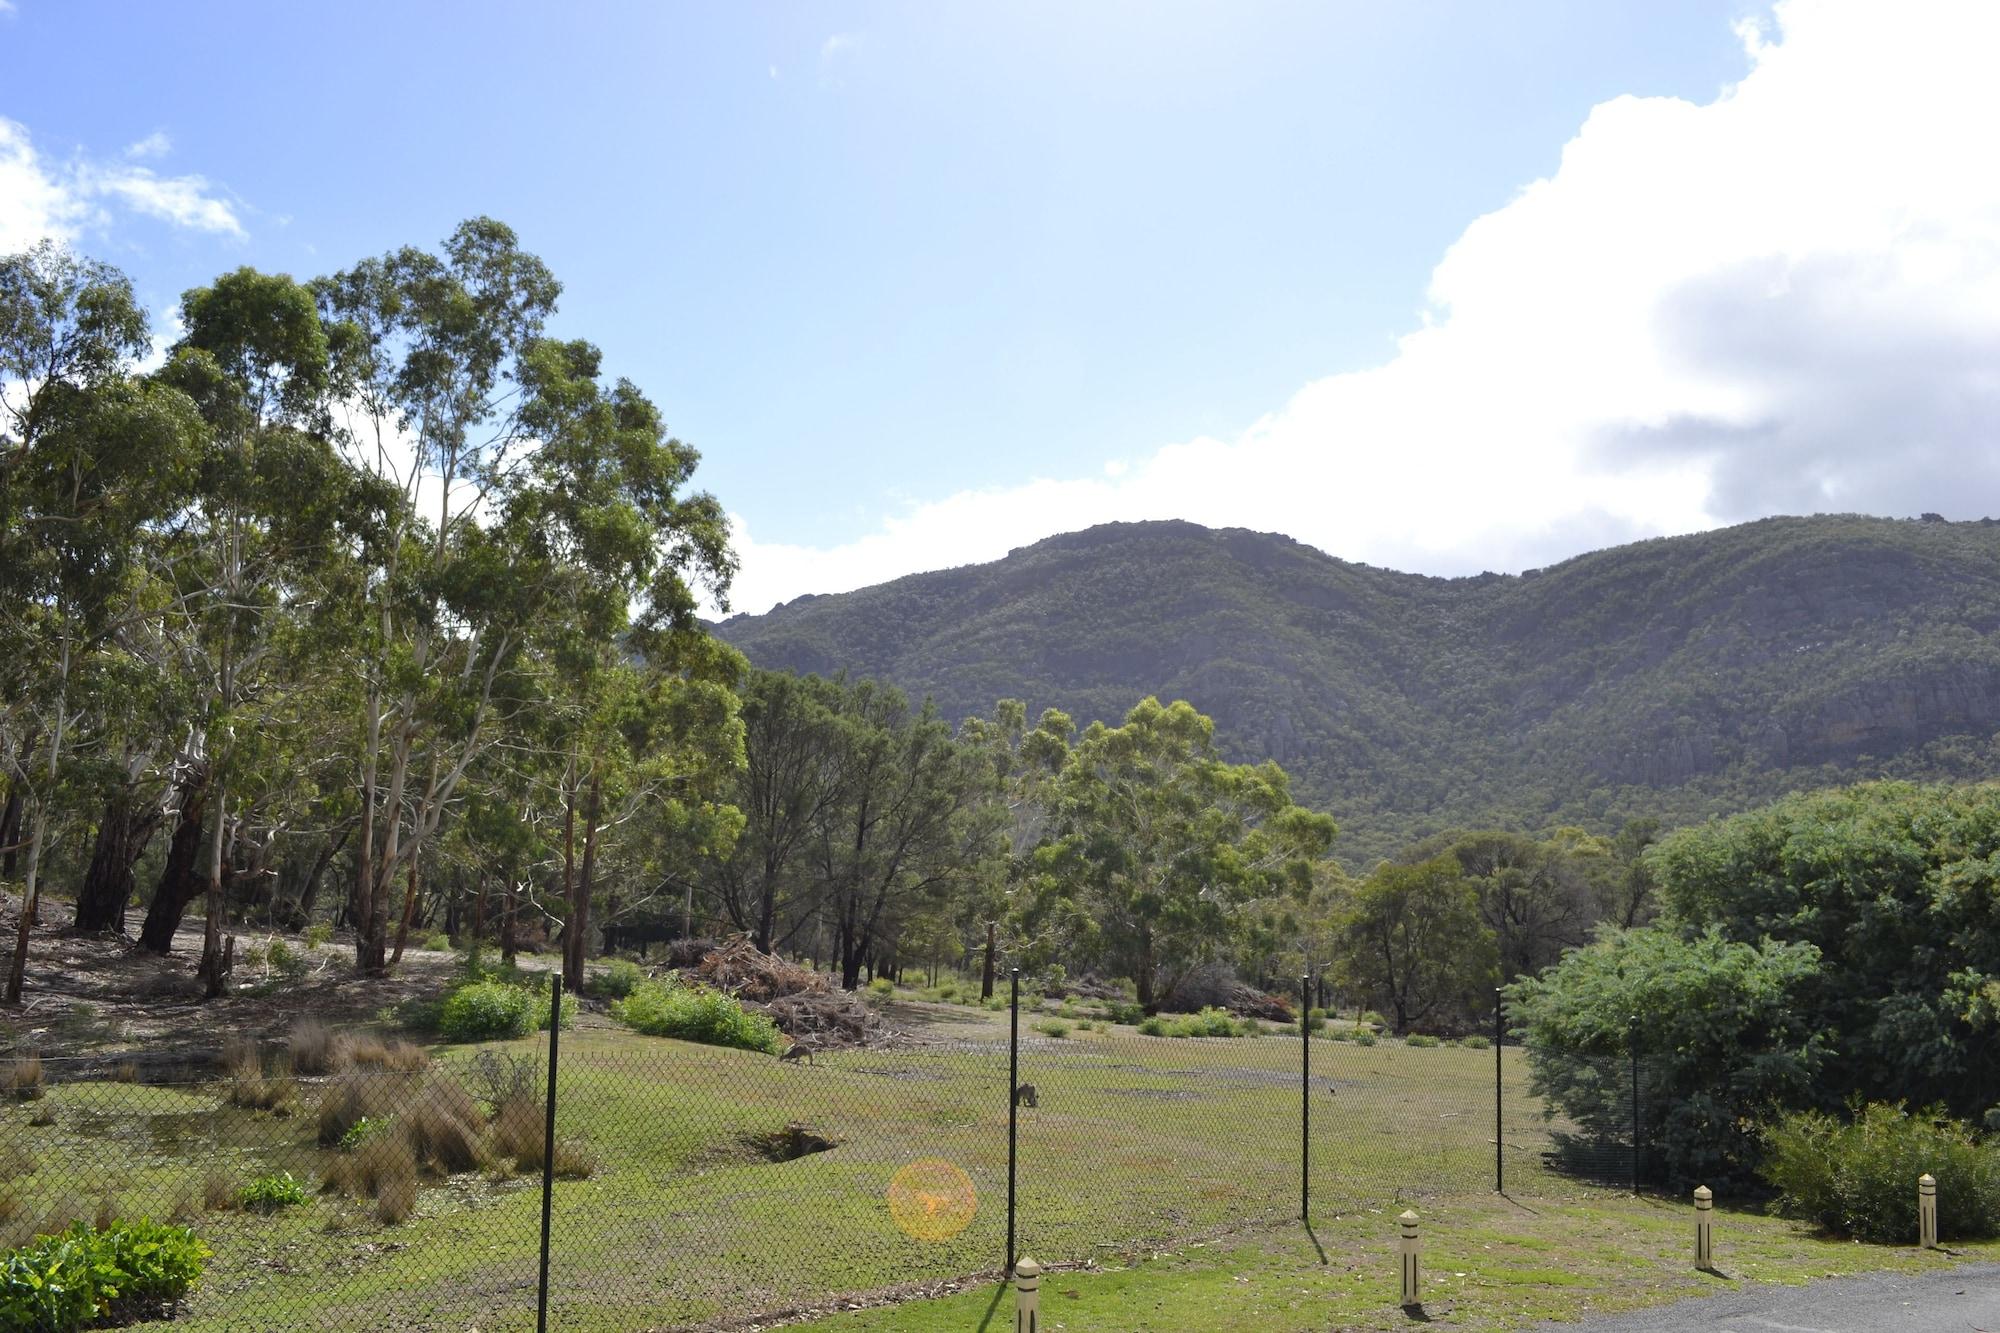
872 257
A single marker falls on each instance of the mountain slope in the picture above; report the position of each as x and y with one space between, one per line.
1677 678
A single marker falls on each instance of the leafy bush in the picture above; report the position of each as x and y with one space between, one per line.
1127 1011
617 978
1210 1022
269 1193
1316 1021
1420 1040
367 1127
285 960
1363 1037
1372 1017
1475 1043
696 1013
1723 1045
495 1010
1054 1027
882 986
438 941
1859 1178
318 936
70 1279
1155 1026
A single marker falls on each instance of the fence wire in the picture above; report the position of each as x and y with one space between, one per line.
352 1180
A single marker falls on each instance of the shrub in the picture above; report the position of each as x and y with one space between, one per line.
442 1127
350 1099
1126 1011
23 1079
1342 1034
83 1273
318 936
251 1088
438 941
1372 1017
882 986
269 1193
367 1127
312 1047
486 1010
696 1013
995 1003
1315 1021
1210 1022
618 978
1054 1027
1859 1178
379 1162
1155 1026
285 960
1421 1040
1475 1042
1363 1037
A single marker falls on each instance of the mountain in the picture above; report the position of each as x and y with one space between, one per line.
1674 678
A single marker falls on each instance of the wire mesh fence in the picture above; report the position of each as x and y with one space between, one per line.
348 1180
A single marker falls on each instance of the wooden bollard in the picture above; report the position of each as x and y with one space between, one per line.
1927 1211
1406 1248
1704 1229
1027 1297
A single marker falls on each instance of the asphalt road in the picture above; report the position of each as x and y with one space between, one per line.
1957 1300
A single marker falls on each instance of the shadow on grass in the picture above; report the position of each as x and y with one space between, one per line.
993 1306
1313 1236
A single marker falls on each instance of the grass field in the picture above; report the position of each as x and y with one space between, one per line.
1137 1147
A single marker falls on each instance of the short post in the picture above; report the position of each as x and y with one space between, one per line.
1406 1248
1027 1297
1704 1229
1927 1211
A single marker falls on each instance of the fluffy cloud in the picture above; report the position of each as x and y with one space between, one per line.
39 199
1786 299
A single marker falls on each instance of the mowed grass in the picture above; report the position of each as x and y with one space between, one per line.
1136 1146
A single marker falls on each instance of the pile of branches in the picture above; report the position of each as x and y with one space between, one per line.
825 1020
738 967
1214 986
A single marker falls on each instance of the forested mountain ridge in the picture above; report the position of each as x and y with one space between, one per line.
1676 677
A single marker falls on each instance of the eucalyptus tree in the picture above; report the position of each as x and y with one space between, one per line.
1163 841
1021 763
91 458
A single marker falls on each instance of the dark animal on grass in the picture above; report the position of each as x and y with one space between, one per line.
798 1050
1025 1095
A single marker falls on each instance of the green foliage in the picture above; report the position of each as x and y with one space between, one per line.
696 1013
1719 1030
1859 1177
438 941
1363 1037
268 1193
496 1010
1475 1042
1126 1011
618 978
1053 1027
362 1130
68 1280
1421 1040
318 936
882 986
1210 1022
1411 934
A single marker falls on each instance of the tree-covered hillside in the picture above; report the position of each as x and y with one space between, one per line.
1673 678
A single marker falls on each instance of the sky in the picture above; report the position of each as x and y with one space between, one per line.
1445 287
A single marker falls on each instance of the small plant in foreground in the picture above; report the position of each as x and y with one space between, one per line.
82 1274
696 1013
267 1194
318 936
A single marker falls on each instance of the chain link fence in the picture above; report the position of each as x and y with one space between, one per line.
347 1179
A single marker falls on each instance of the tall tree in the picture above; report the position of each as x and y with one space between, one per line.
1413 939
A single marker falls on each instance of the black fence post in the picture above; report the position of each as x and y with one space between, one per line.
1633 1042
1305 1099
1013 1101
549 1151
1499 1117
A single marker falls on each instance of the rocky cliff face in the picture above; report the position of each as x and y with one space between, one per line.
1671 677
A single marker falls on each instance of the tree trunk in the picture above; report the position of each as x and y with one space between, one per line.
107 884
1144 980
576 934
213 967
986 969
180 880
10 834
409 911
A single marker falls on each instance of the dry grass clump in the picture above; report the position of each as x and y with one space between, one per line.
126 1072
377 1163
252 1086
350 1099
23 1079
15 1161
312 1046
397 1201
442 1127
518 1128
373 1053
218 1193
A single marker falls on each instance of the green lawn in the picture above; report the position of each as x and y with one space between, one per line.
1140 1149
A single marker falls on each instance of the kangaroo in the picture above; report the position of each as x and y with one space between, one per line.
1025 1095
798 1050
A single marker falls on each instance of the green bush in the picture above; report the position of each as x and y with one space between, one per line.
80 1275
882 986
1054 1027
1475 1043
1859 1178
438 941
696 1013
362 1130
283 1190
1210 1022
495 1010
1421 1040
1126 1011
617 978
1155 1026
1372 1017
1315 1021
318 936
1363 1037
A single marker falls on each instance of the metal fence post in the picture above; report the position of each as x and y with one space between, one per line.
1305 1098
1633 1041
1499 1120
549 1151
1013 1097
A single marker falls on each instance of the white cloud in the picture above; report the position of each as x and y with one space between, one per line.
39 198
1786 299
156 144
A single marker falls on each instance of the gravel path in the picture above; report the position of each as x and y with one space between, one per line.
1957 1300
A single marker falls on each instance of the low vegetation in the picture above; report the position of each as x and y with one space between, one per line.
1856 1176
696 1013
86 1273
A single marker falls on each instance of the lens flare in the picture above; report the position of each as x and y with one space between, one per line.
932 1200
